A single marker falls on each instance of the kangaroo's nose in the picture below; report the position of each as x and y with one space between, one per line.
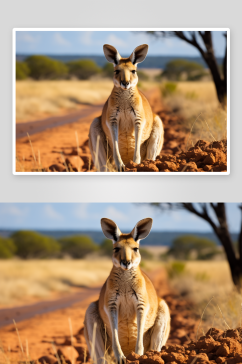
126 262
125 83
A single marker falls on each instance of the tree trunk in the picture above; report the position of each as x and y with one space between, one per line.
220 84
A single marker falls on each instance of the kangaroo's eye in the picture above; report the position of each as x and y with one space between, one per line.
135 249
117 72
116 250
133 72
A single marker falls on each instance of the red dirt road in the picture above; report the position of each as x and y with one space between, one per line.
38 334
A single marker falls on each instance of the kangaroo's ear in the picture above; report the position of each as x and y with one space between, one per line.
110 229
142 229
139 54
111 54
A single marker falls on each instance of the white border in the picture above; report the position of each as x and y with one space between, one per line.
118 173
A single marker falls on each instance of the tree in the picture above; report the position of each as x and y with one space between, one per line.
77 246
83 69
22 70
192 247
177 67
30 244
42 67
219 224
203 42
7 248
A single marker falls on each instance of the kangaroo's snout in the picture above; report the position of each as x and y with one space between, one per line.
125 264
125 84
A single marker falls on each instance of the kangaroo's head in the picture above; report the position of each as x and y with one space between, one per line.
126 253
125 69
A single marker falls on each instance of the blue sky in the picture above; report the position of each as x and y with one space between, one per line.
83 216
91 43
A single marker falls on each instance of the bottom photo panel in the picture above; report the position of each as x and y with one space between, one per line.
121 283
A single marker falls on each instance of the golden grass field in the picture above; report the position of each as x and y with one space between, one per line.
37 98
22 280
197 104
202 281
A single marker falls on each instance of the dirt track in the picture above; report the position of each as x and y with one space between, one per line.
40 332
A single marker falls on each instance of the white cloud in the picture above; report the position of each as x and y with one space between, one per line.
86 38
112 39
114 214
26 37
59 39
81 211
51 213
12 210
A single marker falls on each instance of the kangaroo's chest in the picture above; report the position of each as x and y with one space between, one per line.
126 115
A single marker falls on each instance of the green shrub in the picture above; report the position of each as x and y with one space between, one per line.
77 246
30 244
145 254
106 247
22 70
193 247
168 88
42 67
7 248
175 269
178 67
83 69
108 70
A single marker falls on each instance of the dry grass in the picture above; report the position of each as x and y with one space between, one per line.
38 98
20 279
23 280
197 103
202 280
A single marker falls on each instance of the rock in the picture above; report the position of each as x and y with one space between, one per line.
58 167
68 353
47 359
74 163
68 341
223 350
133 356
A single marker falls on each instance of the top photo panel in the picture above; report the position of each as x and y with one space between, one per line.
147 101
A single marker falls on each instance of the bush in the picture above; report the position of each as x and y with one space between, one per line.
177 68
193 247
175 269
30 244
168 88
108 70
42 67
83 69
22 70
77 246
106 247
145 254
7 248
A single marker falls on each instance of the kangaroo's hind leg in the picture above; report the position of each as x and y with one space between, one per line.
161 328
156 139
98 152
93 322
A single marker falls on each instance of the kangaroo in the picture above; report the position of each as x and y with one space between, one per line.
129 315
127 129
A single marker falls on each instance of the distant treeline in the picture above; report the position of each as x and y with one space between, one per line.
149 62
33 245
40 67
156 238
